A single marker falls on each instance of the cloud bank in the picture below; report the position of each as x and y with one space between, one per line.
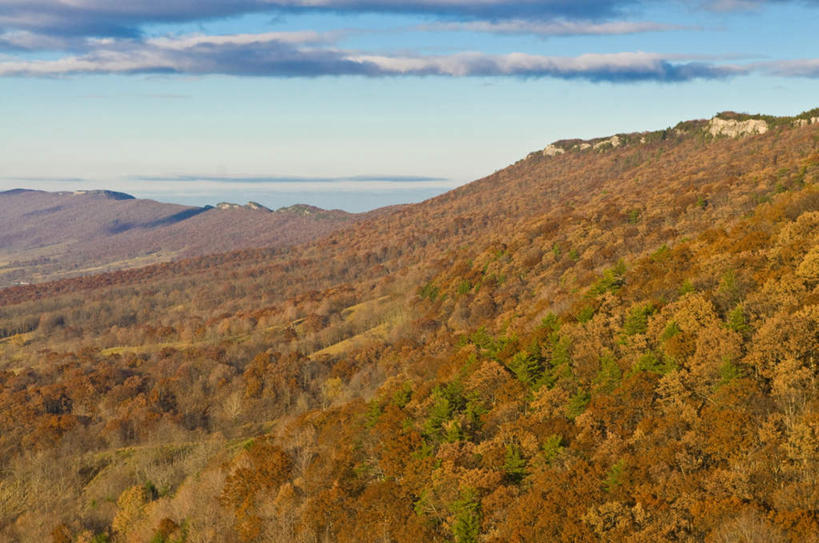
105 37
288 179
116 18
304 55
124 18
554 28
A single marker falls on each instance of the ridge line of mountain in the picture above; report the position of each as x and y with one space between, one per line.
699 129
723 124
116 195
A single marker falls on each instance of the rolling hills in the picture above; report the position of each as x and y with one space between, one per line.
60 234
609 340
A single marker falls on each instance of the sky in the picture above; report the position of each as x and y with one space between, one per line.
356 104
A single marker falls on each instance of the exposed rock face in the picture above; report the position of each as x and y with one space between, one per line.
256 206
734 129
614 141
728 123
228 205
301 209
553 150
805 122
110 194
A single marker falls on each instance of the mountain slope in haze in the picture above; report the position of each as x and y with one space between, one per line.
610 344
49 235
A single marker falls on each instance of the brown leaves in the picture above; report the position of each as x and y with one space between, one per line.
256 472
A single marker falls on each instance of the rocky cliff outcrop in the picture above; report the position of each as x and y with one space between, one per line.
734 129
553 150
806 122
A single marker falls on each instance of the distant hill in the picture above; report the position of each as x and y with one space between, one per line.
49 235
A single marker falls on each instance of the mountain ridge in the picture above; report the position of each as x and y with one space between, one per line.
603 346
725 123
51 234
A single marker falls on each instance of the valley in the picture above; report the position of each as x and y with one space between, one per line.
599 342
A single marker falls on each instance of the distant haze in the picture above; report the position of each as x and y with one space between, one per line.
105 95
355 194
49 235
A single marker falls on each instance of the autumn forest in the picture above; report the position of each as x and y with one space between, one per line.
609 340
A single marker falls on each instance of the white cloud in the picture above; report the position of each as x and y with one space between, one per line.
299 54
792 68
625 66
291 38
554 28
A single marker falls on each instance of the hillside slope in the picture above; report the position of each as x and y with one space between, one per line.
47 235
601 344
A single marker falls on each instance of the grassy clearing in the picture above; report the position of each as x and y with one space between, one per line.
349 344
354 310
149 348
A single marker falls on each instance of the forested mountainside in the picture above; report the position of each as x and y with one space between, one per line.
616 341
48 235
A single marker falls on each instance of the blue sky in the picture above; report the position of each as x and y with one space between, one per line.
361 103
